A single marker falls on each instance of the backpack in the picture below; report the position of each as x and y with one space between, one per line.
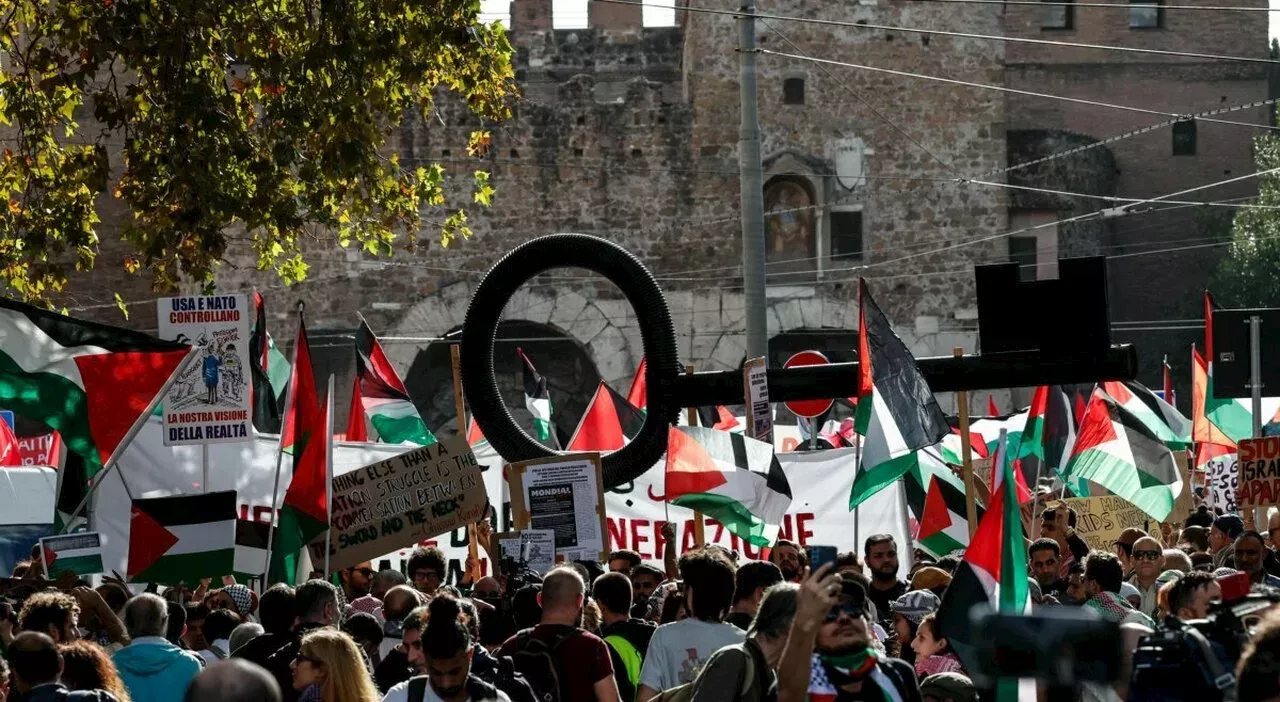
477 689
535 660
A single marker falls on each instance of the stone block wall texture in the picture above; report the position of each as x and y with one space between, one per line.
631 134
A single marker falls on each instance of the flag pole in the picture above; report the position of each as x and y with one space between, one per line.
328 478
857 467
966 455
275 489
699 527
460 409
114 458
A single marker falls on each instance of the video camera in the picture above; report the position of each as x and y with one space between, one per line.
1060 646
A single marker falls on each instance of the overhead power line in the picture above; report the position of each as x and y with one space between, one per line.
964 35
1118 6
1004 89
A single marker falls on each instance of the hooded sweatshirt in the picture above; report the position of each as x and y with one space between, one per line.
155 670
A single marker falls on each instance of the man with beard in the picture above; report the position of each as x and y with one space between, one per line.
881 552
1249 555
789 559
446 654
645 579
1043 556
829 655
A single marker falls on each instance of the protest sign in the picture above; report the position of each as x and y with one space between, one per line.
759 411
1184 504
41 450
532 549
1101 520
564 494
403 500
77 554
209 401
1259 482
1222 477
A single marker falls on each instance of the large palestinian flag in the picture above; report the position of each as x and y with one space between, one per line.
896 409
182 538
537 399
994 573
390 412
1116 450
608 424
304 515
91 382
1044 445
731 478
1210 442
1160 417
266 406
935 496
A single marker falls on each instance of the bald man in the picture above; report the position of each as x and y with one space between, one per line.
234 680
1147 557
396 605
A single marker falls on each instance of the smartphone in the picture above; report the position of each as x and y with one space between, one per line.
818 555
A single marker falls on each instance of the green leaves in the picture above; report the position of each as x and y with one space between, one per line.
1249 275
269 119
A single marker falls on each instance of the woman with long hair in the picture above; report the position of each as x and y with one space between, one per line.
329 669
85 666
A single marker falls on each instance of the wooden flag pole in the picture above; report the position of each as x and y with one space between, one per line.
460 408
699 527
966 455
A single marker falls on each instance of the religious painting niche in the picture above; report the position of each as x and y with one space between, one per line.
789 225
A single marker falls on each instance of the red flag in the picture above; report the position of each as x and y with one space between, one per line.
609 422
10 454
356 429
637 396
992 410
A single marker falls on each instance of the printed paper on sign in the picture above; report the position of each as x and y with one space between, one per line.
210 401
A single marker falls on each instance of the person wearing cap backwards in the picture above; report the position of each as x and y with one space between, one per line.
1148 560
948 687
1222 535
829 655
1123 548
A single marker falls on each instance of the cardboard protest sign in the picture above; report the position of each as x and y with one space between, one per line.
1101 520
534 549
564 494
403 500
1222 478
1259 472
209 401
1184 504
78 554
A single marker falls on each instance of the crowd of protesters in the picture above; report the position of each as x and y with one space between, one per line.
701 627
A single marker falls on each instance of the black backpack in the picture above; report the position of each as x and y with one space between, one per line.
535 659
511 682
477 689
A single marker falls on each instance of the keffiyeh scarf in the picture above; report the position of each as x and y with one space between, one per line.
827 673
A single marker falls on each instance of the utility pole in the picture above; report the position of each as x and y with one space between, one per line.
751 179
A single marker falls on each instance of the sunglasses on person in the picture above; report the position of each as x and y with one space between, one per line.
366 572
1146 555
853 609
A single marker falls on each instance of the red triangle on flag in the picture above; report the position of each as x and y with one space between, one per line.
1096 428
599 429
638 394
935 516
690 469
49 556
726 420
148 541
474 436
356 429
992 410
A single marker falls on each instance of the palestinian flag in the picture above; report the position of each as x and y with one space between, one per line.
387 406
182 538
304 515
717 417
608 424
251 549
731 478
993 573
91 382
266 407
474 435
1157 415
356 429
537 399
897 413
992 410
1116 450
1232 415
1044 445
78 554
10 451
1210 442
935 496
638 395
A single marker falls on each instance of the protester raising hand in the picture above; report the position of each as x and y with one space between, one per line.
817 595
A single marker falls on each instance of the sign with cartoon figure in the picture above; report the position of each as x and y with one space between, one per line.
209 402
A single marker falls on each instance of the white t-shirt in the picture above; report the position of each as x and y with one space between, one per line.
678 651
400 693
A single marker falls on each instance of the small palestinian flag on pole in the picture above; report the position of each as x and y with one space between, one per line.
731 478
266 406
717 417
92 382
608 424
1118 451
474 435
897 413
387 406
78 554
993 573
304 515
1044 446
537 399
252 539
182 538
1160 417
935 496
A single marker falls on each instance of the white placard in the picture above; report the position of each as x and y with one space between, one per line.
536 548
563 494
209 403
1222 475
759 413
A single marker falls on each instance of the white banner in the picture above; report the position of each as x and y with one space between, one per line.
819 513
209 402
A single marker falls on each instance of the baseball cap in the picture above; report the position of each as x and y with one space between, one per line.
1129 536
952 686
929 578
